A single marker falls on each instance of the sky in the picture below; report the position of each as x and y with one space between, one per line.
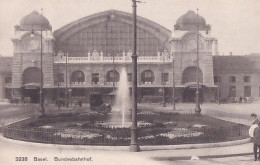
235 23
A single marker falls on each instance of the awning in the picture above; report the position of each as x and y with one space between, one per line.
113 93
194 85
31 86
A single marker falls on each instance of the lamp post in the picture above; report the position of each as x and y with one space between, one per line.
66 85
197 108
58 86
173 86
41 101
70 89
134 147
163 78
42 109
218 83
113 55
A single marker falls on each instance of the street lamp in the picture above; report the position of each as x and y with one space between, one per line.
113 55
58 86
163 77
197 108
41 109
173 86
134 147
218 83
66 85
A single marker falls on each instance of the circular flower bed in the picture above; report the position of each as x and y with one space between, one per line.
98 129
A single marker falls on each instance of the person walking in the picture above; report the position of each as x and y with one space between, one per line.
240 99
256 140
255 119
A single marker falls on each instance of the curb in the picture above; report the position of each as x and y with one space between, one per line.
126 148
196 146
203 157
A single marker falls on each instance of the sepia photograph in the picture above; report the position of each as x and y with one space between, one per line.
142 82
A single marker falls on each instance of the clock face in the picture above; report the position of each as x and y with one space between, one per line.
192 45
34 44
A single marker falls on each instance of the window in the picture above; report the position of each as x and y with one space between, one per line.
129 77
165 78
247 91
60 77
232 91
217 79
8 79
77 76
232 79
247 79
77 92
147 77
95 78
113 76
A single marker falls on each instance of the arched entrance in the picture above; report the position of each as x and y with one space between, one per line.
189 79
189 93
112 76
77 77
147 77
31 84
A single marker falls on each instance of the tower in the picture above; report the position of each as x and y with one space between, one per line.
33 44
188 30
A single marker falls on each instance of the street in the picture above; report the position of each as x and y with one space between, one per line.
11 149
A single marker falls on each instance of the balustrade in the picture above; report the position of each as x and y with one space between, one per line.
98 57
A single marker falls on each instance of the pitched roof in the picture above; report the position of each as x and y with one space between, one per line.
236 64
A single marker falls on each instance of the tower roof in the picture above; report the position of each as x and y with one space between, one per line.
189 21
34 21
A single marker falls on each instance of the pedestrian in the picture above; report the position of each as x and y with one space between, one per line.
255 119
254 125
256 140
240 99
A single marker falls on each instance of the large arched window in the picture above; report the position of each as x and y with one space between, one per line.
147 77
190 75
111 32
32 75
112 76
77 77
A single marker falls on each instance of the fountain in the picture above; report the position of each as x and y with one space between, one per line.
122 97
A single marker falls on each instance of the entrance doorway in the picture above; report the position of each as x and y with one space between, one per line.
189 94
31 95
31 84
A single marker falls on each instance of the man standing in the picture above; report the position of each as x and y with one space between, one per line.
255 119
256 140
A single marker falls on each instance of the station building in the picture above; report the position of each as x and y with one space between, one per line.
88 54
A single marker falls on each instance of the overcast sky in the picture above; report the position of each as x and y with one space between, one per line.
235 23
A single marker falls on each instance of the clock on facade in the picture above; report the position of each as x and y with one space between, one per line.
192 45
34 44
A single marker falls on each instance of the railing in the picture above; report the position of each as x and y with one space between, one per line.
78 83
58 136
98 57
151 134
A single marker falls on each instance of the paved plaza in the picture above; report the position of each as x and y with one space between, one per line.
239 154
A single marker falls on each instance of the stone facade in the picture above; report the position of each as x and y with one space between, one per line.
102 42
27 54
